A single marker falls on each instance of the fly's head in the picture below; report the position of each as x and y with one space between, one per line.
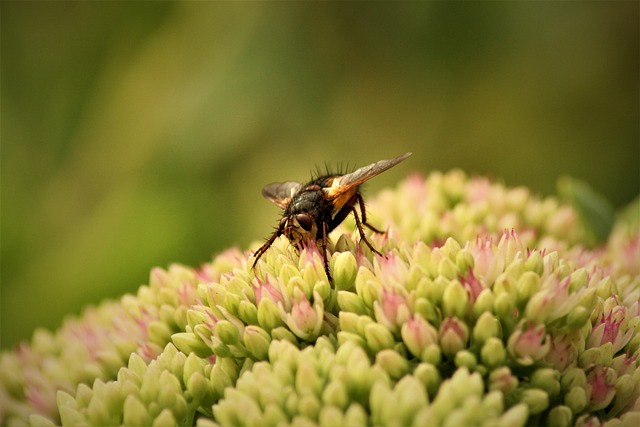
298 228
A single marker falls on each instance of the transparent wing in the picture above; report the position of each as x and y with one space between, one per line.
346 182
280 193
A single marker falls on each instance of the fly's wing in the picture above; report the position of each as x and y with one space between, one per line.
280 193
345 183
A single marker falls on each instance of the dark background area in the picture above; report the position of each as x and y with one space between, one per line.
137 134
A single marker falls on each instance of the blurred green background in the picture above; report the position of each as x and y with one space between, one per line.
137 134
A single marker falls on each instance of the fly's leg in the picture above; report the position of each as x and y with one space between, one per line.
364 215
359 225
265 247
324 251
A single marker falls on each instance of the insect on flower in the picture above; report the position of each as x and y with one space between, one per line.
314 209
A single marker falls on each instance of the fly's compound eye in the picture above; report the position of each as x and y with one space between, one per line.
283 223
305 221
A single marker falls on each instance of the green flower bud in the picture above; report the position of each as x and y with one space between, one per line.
135 413
487 326
355 415
467 359
547 379
248 313
484 303
516 416
605 288
378 337
268 315
576 400
464 262
393 363
379 398
165 418
431 354
425 308
572 378
578 317
335 394
330 416
273 415
367 287
227 332
309 406
534 263
493 352
350 302
257 341
560 416
447 269
455 300
187 343
579 279
71 416
198 386
503 306
411 396
97 413
528 285
345 269
159 332
430 377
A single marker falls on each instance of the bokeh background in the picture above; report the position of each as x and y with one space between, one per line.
137 134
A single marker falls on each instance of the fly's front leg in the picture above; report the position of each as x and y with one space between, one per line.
362 236
265 247
364 214
324 251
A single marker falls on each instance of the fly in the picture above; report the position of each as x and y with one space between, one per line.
314 209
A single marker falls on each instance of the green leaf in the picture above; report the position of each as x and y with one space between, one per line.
594 211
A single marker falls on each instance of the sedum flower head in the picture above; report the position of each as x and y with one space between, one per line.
488 308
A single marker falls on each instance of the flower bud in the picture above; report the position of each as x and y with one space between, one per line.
487 326
165 418
455 300
484 303
576 400
537 400
417 334
454 335
502 380
348 301
345 269
378 337
355 415
430 377
248 313
135 413
517 415
493 352
528 344
187 343
393 363
467 359
560 416
268 315
227 332
547 379
257 341
336 394
447 269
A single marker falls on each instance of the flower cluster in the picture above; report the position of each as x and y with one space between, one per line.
486 309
